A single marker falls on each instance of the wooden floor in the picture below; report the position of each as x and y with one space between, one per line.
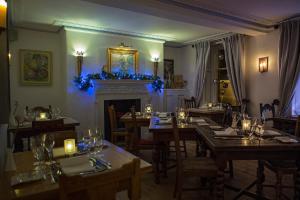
244 173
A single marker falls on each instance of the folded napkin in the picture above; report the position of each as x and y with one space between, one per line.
202 124
227 132
165 121
25 177
286 139
196 119
271 133
75 165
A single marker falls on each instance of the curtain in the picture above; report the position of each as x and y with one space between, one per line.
202 54
234 48
289 63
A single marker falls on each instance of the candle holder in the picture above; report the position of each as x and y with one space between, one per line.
148 109
246 127
181 116
209 105
43 116
69 146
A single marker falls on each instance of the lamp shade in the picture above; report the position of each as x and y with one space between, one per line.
3 9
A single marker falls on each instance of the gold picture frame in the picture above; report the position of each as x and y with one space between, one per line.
35 67
122 60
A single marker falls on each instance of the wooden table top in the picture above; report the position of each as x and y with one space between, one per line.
139 117
68 121
24 163
206 110
155 127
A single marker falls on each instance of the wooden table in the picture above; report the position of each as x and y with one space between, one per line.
285 124
214 114
15 133
141 120
42 190
228 149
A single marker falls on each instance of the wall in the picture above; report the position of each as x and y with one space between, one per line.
174 53
37 95
262 87
188 55
80 104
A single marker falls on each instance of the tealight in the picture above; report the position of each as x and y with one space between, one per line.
69 145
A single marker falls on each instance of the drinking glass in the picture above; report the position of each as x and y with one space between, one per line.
48 143
37 151
98 141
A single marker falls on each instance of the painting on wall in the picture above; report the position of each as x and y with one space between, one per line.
168 69
122 60
36 67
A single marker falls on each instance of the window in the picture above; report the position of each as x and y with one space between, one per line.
296 100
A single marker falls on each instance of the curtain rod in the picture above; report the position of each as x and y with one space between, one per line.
213 38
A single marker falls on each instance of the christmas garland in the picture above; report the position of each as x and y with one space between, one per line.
84 83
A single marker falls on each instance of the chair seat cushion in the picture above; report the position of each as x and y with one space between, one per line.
202 166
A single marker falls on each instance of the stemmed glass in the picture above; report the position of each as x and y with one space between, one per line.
97 140
48 143
37 151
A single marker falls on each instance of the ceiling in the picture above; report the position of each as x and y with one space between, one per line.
176 21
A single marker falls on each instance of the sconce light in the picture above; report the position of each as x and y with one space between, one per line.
155 65
79 56
263 64
3 9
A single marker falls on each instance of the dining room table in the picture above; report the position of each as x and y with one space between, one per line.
226 148
214 113
16 132
46 189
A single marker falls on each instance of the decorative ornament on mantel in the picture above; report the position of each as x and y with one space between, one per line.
84 83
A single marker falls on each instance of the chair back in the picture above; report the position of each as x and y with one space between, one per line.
176 136
112 118
47 126
227 118
190 103
268 111
39 109
102 186
297 129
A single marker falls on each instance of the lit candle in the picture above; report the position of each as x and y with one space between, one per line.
209 105
246 125
69 145
181 115
3 7
43 116
148 109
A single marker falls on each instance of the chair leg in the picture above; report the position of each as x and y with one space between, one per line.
230 168
278 186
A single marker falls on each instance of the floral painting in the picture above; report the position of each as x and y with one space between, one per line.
122 60
36 67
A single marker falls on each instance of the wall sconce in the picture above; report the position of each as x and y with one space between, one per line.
79 56
3 9
263 64
155 65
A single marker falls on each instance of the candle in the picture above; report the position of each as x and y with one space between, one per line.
148 109
246 125
3 7
43 116
181 115
209 105
69 145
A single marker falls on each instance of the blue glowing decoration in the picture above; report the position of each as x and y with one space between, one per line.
84 83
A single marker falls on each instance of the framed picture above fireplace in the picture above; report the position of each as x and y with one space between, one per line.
122 60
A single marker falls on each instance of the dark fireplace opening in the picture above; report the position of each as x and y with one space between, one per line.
122 106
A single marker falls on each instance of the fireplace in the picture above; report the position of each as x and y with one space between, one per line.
121 106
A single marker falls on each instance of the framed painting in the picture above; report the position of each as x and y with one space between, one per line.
122 60
36 67
168 69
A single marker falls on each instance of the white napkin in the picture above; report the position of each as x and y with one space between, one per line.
165 121
270 133
227 132
196 119
75 165
286 139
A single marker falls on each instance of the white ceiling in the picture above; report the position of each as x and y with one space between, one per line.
178 21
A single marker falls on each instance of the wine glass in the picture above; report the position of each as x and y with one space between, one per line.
48 143
98 141
37 151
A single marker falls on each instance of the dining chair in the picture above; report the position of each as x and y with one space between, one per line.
136 142
202 167
269 111
190 102
103 185
281 168
115 132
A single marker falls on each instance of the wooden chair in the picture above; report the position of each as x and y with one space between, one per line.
268 109
102 186
281 168
115 132
136 143
201 167
190 103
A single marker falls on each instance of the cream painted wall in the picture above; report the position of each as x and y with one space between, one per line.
81 104
189 67
262 87
37 95
174 54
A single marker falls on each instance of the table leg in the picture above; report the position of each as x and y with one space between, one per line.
260 178
156 162
220 180
297 181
